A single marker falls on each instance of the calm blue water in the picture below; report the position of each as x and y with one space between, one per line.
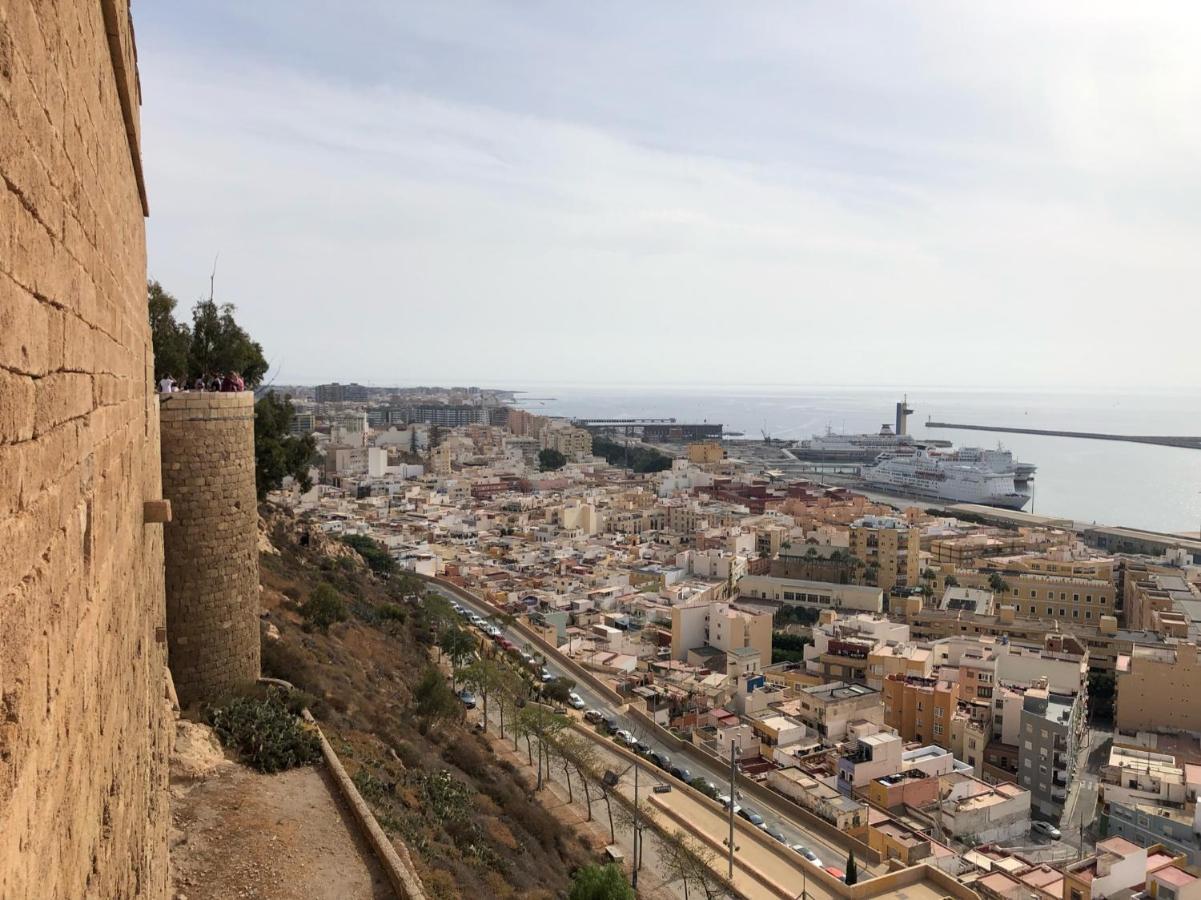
1111 483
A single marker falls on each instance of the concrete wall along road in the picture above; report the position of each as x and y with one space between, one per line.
763 794
211 543
84 721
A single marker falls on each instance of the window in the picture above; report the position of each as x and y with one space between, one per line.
1033 594
1062 612
971 744
1075 598
1050 612
1075 614
1063 595
937 729
1088 598
1026 778
1000 704
1029 746
971 760
938 710
920 706
984 693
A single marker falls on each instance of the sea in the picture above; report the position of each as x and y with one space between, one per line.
1090 481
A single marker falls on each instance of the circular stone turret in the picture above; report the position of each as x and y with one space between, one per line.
211 543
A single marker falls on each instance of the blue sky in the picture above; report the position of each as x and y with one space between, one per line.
515 193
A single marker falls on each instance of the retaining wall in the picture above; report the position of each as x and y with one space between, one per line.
85 726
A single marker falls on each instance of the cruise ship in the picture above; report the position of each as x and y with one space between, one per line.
863 448
968 475
832 447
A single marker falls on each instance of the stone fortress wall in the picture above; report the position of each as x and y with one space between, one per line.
84 719
211 551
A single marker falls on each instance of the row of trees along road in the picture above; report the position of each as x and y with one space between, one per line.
213 345
549 741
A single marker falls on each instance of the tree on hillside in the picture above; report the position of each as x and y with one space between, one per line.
600 883
434 700
550 460
277 452
221 345
323 608
485 677
997 584
458 645
169 338
375 554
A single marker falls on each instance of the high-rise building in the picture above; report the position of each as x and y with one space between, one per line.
340 393
890 547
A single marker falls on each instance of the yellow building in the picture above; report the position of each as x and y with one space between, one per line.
906 659
889 546
706 452
1068 599
920 709
574 443
1158 689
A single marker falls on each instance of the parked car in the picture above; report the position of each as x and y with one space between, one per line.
545 675
724 800
706 787
468 699
836 872
808 854
751 816
626 738
610 723
662 760
642 748
595 716
1047 829
575 701
681 773
774 831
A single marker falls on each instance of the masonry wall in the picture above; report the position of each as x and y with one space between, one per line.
211 543
84 720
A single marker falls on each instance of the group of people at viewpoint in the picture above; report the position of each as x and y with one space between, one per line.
231 382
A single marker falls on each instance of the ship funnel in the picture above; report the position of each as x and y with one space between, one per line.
903 414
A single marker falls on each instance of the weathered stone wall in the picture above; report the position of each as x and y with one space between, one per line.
211 543
84 723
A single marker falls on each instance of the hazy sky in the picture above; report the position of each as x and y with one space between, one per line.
849 193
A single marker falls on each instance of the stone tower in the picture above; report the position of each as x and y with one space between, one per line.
211 545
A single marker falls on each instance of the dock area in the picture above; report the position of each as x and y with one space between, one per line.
1188 443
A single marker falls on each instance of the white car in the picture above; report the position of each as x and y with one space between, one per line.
626 738
1046 828
575 700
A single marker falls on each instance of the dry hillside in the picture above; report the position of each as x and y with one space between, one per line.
470 825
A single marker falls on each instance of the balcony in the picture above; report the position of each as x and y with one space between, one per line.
1059 794
1060 779
1060 761
1061 742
